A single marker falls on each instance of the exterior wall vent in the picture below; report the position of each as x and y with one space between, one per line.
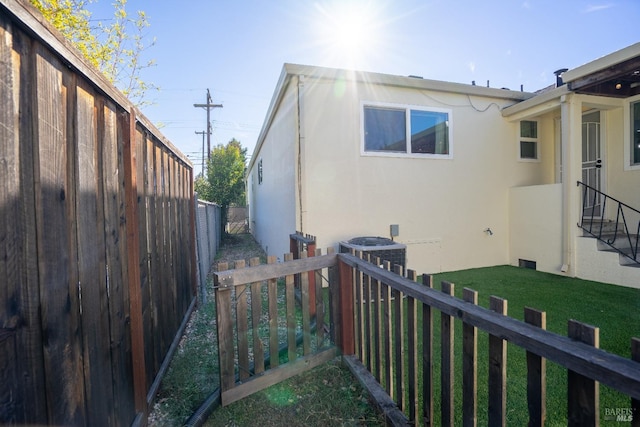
525 263
385 249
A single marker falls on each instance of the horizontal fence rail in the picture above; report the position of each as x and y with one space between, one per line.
386 342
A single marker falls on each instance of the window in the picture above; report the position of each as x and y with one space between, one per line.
635 133
398 130
260 171
528 140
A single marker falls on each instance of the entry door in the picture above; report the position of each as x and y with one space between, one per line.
592 163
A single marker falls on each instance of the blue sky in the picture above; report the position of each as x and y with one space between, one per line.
237 49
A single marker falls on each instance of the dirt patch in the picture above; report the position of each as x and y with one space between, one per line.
239 246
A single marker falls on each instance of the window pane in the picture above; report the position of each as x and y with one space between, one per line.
384 129
429 132
635 132
528 150
528 129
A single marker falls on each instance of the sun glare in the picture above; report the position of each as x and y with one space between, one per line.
347 30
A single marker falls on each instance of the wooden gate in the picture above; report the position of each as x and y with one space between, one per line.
266 330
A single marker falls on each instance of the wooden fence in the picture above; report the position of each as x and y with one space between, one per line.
381 319
97 267
250 359
385 339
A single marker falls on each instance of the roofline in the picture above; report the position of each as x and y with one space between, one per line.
404 81
602 63
290 70
551 97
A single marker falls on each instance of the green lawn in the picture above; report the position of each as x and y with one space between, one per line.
614 309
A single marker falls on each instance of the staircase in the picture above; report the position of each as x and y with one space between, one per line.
620 234
611 240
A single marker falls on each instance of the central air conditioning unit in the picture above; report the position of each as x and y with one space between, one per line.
381 247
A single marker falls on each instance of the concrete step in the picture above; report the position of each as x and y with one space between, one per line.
597 226
628 262
605 232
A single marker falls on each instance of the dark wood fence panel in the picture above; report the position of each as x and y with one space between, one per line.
96 237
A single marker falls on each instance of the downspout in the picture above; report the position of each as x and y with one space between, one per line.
300 141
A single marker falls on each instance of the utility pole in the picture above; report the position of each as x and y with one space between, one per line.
208 106
203 133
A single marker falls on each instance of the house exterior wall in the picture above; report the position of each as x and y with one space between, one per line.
622 181
535 227
273 201
442 206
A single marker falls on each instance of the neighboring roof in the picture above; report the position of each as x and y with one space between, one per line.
616 74
410 82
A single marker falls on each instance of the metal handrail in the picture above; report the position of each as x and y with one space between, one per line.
621 226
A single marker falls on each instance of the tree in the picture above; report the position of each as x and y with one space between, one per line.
115 49
224 184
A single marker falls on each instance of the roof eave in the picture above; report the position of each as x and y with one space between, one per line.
604 62
536 105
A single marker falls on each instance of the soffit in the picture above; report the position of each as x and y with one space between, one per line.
615 75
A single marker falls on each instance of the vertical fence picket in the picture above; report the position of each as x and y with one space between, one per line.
242 327
320 308
306 319
290 297
345 320
333 306
536 373
256 314
635 403
583 403
398 334
412 353
469 366
427 357
366 296
359 313
388 340
377 337
497 370
447 364
224 320
272 287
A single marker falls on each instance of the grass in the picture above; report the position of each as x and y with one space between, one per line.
326 395
330 394
613 309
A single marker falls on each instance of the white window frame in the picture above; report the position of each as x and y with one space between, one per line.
628 156
407 109
528 139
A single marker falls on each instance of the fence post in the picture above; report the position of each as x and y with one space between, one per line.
469 366
536 373
497 370
224 318
345 303
447 362
427 357
583 392
635 403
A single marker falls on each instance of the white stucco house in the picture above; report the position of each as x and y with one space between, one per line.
470 176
